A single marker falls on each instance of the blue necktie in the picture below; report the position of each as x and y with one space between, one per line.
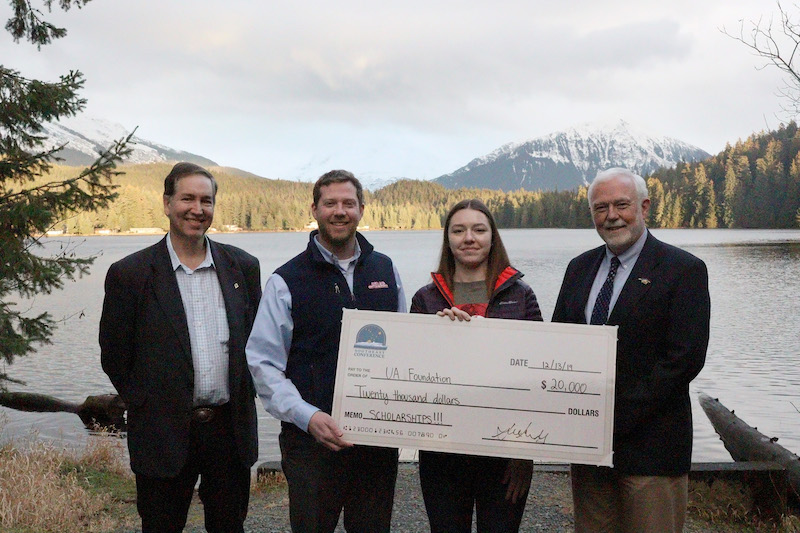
600 310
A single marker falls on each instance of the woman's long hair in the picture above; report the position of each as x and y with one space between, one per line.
497 261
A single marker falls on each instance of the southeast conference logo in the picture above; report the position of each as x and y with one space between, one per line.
370 342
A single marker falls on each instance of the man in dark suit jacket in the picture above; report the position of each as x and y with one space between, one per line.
176 318
658 297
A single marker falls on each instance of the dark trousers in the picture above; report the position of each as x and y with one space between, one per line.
322 483
163 503
453 484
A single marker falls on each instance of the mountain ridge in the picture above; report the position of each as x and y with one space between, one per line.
83 138
559 161
567 159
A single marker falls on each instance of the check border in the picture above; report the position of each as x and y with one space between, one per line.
506 388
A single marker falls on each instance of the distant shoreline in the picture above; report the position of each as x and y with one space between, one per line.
221 232
309 230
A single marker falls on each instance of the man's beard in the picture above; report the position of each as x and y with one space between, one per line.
336 240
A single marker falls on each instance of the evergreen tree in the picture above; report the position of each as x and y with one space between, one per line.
791 196
731 197
710 219
30 207
746 210
434 221
765 194
699 203
674 214
657 202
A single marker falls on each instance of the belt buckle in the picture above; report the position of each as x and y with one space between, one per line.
203 415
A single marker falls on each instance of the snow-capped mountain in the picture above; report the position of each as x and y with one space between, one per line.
85 136
567 159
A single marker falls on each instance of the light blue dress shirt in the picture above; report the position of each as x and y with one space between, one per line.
268 346
627 260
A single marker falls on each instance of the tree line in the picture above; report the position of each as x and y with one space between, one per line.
754 183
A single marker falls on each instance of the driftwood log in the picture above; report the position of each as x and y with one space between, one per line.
105 411
746 443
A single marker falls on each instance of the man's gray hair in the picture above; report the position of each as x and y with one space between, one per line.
611 173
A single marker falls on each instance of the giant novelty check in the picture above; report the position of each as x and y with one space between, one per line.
506 388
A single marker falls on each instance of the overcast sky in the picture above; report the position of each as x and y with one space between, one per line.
408 89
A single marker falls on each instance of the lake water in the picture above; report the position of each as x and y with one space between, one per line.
752 363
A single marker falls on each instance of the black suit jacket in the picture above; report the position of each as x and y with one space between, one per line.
145 350
663 316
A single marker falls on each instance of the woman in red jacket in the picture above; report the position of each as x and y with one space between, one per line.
474 278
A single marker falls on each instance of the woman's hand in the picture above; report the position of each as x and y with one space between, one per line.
455 313
518 478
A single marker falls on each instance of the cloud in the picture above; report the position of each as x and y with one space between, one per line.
440 79
335 59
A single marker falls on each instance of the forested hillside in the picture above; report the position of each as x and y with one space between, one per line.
752 184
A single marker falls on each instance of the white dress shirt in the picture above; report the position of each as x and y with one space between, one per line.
207 320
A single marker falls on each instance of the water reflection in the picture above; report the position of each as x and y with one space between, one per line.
755 342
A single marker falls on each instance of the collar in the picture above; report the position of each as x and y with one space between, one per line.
176 262
331 257
362 244
507 276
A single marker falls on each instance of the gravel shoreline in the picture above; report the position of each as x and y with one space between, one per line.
549 507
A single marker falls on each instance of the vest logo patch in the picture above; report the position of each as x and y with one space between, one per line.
378 285
509 302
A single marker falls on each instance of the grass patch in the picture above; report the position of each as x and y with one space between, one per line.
101 469
268 482
51 489
721 501
724 502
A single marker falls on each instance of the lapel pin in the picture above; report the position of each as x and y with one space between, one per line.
644 281
235 285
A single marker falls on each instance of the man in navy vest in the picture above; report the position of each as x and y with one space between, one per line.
292 353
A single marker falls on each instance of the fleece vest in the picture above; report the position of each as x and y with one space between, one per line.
319 293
